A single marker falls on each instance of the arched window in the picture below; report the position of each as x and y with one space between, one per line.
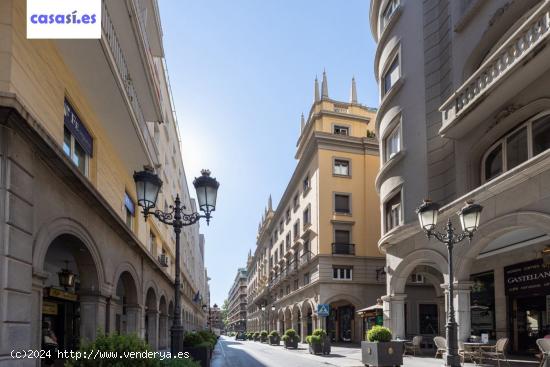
519 145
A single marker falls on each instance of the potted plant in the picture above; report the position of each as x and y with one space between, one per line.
318 342
256 336
198 348
379 350
290 339
263 336
274 338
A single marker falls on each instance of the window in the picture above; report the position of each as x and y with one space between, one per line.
388 12
152 242
287 216
287 241
341 203
287 289
393 211
77 141
518 146
306 278
281 226
342 273
129 211
341 130
306 184
390 76
296 202
307 216
392 143
296 229
296 286
275 236
341 167
306 247
428 317
342 236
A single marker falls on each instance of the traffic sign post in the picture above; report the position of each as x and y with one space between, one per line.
323 309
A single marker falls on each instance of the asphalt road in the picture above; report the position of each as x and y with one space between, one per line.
231 353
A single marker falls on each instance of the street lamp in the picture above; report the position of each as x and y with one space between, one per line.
469 219
148 185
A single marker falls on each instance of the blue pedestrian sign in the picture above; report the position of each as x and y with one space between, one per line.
323 310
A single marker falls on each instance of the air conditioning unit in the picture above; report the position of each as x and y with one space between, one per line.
163 260
417 278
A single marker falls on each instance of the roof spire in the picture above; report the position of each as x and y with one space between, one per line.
317 98
269 203
353 92
302 122
324 86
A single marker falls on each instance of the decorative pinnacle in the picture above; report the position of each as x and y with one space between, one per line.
205 172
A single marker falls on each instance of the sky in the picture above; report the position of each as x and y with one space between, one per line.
242 72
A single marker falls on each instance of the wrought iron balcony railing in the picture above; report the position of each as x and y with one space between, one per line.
343 249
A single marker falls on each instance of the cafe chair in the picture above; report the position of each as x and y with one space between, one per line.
441 345
544 347
497 351
414 345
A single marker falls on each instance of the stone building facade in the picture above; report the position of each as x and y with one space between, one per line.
77 118
319 245
236 310
465 115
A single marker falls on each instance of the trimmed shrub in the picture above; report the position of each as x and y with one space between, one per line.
115 343
192 339
263 334
320 333
313 339
274 333
379 334
291 333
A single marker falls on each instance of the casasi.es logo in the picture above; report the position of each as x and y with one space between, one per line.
64 19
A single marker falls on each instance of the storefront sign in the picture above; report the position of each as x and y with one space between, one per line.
529 277
58 293
77 129
49 308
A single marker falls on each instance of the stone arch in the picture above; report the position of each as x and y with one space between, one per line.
66 226
130 270
151 317
126 305
493 229
163 323
426 257
344 297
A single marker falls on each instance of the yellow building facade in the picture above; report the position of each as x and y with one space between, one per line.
319 246
77 118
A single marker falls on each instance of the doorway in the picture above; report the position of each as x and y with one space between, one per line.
530 322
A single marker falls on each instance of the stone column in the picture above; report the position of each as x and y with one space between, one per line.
462 309
163 331
92 315
303 331
394 313
152 328
133 317
114 310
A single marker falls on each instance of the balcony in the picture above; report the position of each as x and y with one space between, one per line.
513 66
343 249
304 259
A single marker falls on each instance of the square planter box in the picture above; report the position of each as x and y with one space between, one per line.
382 354
292 343
199 354
321 348
263 340
274 340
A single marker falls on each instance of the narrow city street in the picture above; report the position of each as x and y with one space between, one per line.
232 353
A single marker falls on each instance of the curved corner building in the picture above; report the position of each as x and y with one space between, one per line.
465 115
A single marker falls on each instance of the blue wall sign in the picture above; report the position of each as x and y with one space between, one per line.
323 309
77 129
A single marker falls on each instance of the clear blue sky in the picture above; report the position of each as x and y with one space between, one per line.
242 72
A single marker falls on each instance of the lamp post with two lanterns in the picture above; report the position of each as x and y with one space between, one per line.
469 219
148 185
264 308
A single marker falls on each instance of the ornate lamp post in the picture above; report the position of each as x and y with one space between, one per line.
469 219
148 185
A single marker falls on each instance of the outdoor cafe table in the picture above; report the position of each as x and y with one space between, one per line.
477 347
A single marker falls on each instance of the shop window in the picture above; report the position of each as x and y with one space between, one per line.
428 318
482 304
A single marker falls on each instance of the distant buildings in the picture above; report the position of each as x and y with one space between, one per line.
236 311
216 318
319 246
